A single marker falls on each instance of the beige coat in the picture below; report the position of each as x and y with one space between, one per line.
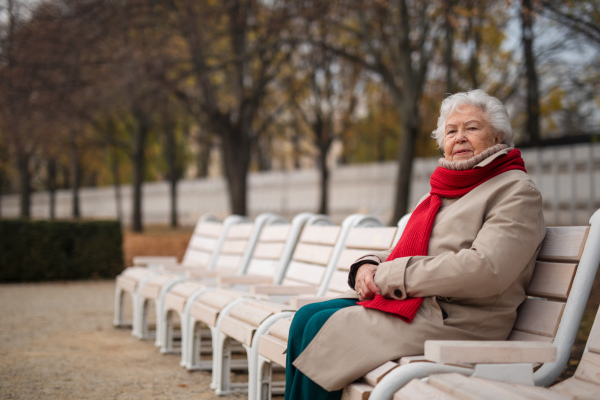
482 252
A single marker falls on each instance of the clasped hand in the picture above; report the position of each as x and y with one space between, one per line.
364 282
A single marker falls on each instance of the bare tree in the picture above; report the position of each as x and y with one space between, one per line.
326 106
235 53
532 126
396 42
173 149
581 17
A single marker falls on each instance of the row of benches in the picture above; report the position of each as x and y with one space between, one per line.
240 281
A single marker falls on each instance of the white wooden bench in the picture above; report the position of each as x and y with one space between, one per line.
233 262
128 281
557 295
267 265
585 384
301 274
272 344
315 263
202 256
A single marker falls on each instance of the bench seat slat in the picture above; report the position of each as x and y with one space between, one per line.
589 368
273 348
576 389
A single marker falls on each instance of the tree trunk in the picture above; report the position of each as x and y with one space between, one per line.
236 158
532 125
75 175
203 160
324 169
1 190
173 176
140 135
52 187
296 151
262 153
114 167
173 195
407 99
449 48
25 185
478 9
405 165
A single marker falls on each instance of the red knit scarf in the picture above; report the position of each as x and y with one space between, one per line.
415 238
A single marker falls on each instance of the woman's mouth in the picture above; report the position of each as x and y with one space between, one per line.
462 151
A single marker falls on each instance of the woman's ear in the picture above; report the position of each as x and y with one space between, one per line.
498 139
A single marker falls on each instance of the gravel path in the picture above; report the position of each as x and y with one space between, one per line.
57 342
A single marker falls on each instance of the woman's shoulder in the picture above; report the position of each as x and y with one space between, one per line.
515 188
514 177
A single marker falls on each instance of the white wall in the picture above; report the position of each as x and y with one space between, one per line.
568 177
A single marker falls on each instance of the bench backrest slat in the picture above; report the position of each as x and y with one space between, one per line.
268 250
233 247
202 243
552 280
320 234
538 318
360 241
311 255
528 337
563 244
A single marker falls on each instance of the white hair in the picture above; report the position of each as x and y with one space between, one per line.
493 109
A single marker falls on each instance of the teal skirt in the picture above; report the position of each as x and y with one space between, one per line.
305 325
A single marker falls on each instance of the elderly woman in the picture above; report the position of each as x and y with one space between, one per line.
459 271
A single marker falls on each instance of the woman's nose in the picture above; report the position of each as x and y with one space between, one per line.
460 136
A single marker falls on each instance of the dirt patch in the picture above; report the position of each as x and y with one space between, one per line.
57 342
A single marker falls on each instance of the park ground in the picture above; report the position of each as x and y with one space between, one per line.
57 340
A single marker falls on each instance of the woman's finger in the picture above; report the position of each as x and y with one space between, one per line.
364 285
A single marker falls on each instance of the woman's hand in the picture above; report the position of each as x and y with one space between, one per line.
364 283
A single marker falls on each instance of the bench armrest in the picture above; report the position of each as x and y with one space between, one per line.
489 352
301 301
244 280
200 273
283 290
173 268
145 260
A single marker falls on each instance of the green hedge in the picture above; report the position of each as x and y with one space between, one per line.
59 250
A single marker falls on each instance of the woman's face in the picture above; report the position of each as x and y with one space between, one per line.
467 133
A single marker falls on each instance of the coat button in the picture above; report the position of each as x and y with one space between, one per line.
398 293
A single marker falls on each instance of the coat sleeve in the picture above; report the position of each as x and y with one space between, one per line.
510 236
